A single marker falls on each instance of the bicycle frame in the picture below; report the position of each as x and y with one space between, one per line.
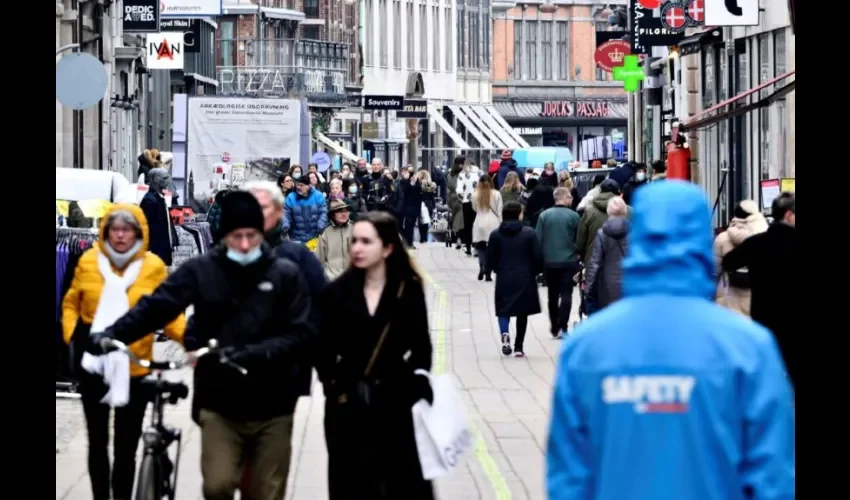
157 437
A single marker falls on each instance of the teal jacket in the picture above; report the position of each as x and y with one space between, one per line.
556 229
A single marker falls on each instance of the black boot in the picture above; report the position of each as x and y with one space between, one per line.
488 276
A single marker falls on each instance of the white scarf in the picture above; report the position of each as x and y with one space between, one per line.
114 303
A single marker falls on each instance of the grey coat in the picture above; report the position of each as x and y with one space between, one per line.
605 272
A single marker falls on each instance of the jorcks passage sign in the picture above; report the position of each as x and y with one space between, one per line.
141 16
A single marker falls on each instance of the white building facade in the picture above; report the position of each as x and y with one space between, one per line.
440 51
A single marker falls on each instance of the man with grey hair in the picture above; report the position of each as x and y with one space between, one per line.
557 228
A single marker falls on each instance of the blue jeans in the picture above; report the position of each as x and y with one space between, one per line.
521 327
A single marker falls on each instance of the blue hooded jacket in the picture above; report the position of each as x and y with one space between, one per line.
665 395
304 217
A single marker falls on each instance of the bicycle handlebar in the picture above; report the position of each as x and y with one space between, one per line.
189 359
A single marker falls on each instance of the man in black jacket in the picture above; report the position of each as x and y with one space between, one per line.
258 308
774 265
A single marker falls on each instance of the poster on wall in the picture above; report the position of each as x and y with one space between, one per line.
261 134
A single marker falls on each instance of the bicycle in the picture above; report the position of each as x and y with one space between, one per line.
157 474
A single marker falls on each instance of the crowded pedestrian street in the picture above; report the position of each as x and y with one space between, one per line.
507 400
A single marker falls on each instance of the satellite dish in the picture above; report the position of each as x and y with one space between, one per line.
81 80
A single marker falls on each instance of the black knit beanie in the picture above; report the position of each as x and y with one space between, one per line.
240 210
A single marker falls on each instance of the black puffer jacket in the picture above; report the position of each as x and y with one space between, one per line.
605 272
514 254
262 310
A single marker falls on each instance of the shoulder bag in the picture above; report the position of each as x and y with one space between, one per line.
363 394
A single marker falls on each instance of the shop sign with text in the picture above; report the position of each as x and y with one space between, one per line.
192 8
191 29
413 108
140 16
575 109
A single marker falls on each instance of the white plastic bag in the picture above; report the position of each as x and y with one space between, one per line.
442 430
424 215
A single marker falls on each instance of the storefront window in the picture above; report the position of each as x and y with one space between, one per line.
708 81
722 132
531 50
742 137
764 113
515 69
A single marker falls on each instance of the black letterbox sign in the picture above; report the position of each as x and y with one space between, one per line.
191 29
141 16
413 108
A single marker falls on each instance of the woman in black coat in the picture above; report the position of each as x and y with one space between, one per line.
411 191
371 384
514 254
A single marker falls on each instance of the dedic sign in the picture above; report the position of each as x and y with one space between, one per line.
141 16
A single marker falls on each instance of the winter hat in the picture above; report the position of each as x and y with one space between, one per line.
507 155
616 207
609 186
337 205
240 210
598 179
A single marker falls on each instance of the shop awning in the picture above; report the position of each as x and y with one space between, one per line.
488 129
437 116
336 147
694 43
513 133
720 111
480 112
485 142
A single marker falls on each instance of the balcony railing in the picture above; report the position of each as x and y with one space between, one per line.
283 52
318 84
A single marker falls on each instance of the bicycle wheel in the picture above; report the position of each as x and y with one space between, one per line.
150 479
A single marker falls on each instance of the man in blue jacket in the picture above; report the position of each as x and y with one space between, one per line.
306 212
664 394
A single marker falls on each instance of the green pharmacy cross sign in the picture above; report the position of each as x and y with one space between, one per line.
629 73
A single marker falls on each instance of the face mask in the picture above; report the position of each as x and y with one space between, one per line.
244 259
640 177
352 190
296 175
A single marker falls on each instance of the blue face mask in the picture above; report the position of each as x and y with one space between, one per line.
296 175
244 258
640 176
352 190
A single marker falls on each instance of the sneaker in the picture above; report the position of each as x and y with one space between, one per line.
506 344
519 354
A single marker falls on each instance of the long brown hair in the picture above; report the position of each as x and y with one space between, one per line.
483 192
512 182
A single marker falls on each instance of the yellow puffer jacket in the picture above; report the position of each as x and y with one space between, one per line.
80 304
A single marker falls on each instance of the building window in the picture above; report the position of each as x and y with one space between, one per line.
411 46
779 69
708 80
423 36
485 21
370 35
515 69
397 34
461 34
563 56
474 37
548 52
383 43
436 36
601 74
530 40
742 85
450 48
227 55
311 9
764 113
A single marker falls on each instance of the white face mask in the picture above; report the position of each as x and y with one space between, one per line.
640 176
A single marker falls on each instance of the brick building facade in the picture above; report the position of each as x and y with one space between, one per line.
546 83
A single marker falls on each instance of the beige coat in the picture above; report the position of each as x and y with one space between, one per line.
334 249
738 231
487 220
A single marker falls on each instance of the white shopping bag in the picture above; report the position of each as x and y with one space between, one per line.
424 215
441 430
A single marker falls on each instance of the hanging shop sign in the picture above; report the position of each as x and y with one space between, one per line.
575 109
629 73
731 12
191 29
140 16
610 54
529 130
695 12
191 8
673 17
383 102
164 51
648 31
413 108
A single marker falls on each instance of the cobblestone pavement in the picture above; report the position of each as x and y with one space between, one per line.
507 400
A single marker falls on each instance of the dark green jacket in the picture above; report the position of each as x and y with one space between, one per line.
557 230
594 217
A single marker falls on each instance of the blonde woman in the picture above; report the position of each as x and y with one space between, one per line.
565 181
487 203
429 192
733 290
512 189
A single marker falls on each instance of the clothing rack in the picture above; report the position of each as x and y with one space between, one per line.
583 179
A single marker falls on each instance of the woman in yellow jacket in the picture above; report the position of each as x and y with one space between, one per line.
120 254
